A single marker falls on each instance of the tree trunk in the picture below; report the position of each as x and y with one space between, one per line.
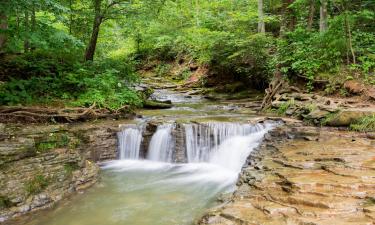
323 25
70 16
310 20
3 29
261 25
26 43
33 25
349 37
90 50
288 18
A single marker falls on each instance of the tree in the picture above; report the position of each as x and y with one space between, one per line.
310 20
261 26
111 10
3 29
98 19
323 25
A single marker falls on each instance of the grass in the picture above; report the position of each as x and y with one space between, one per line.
364 124
328 118
284 107
36 185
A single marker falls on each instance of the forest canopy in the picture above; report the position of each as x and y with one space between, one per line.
81 52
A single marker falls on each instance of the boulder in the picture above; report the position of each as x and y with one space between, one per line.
349 116
354 87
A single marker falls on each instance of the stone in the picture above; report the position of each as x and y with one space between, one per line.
325 181
21 162
349 116
354 87
152 104
317 114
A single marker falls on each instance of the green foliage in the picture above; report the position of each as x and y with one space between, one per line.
365 124
220 35
54 140
37 184
306 54
330 117
281 110
77 84
162 70
70 167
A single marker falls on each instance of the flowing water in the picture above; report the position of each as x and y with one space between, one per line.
161 145
155 191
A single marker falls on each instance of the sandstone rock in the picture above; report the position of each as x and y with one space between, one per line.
354 87
328 181
317 114
63 167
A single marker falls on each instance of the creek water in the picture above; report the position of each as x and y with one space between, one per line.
155 191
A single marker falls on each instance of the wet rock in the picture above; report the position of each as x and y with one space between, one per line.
152 104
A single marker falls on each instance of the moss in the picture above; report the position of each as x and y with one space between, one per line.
5 202
70 167
369 201
37 184
364 124
328 118
156 105
53 141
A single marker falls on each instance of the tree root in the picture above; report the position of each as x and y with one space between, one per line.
13 114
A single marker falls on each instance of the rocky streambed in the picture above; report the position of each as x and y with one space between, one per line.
296 174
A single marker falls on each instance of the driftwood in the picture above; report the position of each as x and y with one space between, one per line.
276 85
16 114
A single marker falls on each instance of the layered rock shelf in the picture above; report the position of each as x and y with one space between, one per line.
304 175
42 164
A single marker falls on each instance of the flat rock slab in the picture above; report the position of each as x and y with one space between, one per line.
330 180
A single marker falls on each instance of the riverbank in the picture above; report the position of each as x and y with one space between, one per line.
304 175
42 164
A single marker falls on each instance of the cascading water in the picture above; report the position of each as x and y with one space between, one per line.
207 141
161 144
144 192
156 191
129 142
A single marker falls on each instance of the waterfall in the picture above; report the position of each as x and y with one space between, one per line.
220 143
161 145
129 141
223 144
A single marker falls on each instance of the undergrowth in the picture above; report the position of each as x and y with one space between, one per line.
365 124
105 84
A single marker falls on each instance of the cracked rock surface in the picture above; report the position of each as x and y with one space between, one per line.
304 175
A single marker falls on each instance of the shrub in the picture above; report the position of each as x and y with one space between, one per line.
80 85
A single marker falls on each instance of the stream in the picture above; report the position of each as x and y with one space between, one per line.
158 187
